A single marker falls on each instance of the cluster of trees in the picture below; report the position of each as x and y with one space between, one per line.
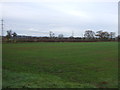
89 34
52 35
100 34
10 35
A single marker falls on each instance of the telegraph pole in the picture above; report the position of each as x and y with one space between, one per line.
2 26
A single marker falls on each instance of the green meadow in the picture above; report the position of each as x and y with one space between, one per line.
60 65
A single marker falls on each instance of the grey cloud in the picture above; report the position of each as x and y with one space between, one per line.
60 17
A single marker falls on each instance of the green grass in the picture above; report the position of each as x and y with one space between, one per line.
60 65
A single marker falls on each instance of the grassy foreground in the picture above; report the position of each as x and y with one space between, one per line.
60 65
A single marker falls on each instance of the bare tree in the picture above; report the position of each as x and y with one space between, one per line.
89 34
51 34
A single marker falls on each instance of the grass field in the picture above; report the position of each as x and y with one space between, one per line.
60 65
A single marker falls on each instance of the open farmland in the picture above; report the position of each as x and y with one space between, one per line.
60 65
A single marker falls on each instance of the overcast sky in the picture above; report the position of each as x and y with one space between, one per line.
63 17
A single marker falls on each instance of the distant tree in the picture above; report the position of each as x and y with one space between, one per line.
99 34
9 34
89 34
102 35
51 34
112 35
60 36
14 34
105 35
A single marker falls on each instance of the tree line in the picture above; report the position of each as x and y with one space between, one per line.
89 35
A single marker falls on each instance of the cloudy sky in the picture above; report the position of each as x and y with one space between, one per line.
59 16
